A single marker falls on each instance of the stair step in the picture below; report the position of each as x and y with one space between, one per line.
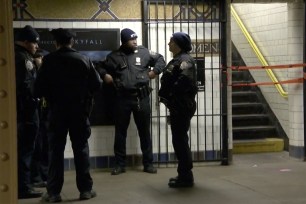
258 145
243 93
244 96
248 116
241 81
244 104
253 132
241 88
249 107
241 120
253 128
238 75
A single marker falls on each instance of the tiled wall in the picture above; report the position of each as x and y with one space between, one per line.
295 52
277 30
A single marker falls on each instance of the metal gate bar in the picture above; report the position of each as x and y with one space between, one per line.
208 134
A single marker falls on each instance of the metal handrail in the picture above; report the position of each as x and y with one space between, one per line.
258 52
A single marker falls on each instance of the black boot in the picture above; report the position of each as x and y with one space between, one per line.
180 183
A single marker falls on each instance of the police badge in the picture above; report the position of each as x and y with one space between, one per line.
138 61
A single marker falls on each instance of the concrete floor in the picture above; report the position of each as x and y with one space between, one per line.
263 178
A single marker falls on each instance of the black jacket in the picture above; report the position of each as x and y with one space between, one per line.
178 84
66 77
25 71
130 69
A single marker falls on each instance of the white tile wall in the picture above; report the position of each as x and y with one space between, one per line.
295 50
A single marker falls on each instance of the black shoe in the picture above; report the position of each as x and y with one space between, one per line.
118 170
31 193
150 169
87 195
179 183
173 179
41 184
51 198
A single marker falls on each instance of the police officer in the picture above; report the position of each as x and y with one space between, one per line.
39 164
130 69
26 45
67 80
177 92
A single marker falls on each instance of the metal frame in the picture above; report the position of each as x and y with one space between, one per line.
166 156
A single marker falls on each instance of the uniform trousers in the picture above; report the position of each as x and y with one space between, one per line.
39 165
73 120
180 124
125 106
26 134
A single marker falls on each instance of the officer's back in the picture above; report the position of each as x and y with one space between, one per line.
67 80
68 77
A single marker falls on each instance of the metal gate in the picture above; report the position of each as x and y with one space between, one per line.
205 22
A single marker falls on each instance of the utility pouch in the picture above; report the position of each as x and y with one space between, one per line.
144 91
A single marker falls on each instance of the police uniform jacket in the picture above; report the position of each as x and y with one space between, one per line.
130 69
26 71
66 77
178 84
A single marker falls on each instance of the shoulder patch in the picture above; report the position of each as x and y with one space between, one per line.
184 65
152 52
29 65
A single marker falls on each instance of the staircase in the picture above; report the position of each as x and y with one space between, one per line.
255 127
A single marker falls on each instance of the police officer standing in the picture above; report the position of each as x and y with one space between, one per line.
39 164
130 69
26 45
67 80
177 92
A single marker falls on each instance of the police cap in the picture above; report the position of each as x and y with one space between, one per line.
127 34
182 40
28 33
62 36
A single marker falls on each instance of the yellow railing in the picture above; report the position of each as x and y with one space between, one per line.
258 53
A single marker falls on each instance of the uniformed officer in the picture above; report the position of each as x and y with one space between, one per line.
67 80
130 69
39 164
26 45
177 92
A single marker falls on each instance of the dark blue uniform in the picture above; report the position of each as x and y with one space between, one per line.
67 79
177 91
129 70
27 115
39 165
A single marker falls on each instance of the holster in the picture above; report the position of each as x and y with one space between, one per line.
144 91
